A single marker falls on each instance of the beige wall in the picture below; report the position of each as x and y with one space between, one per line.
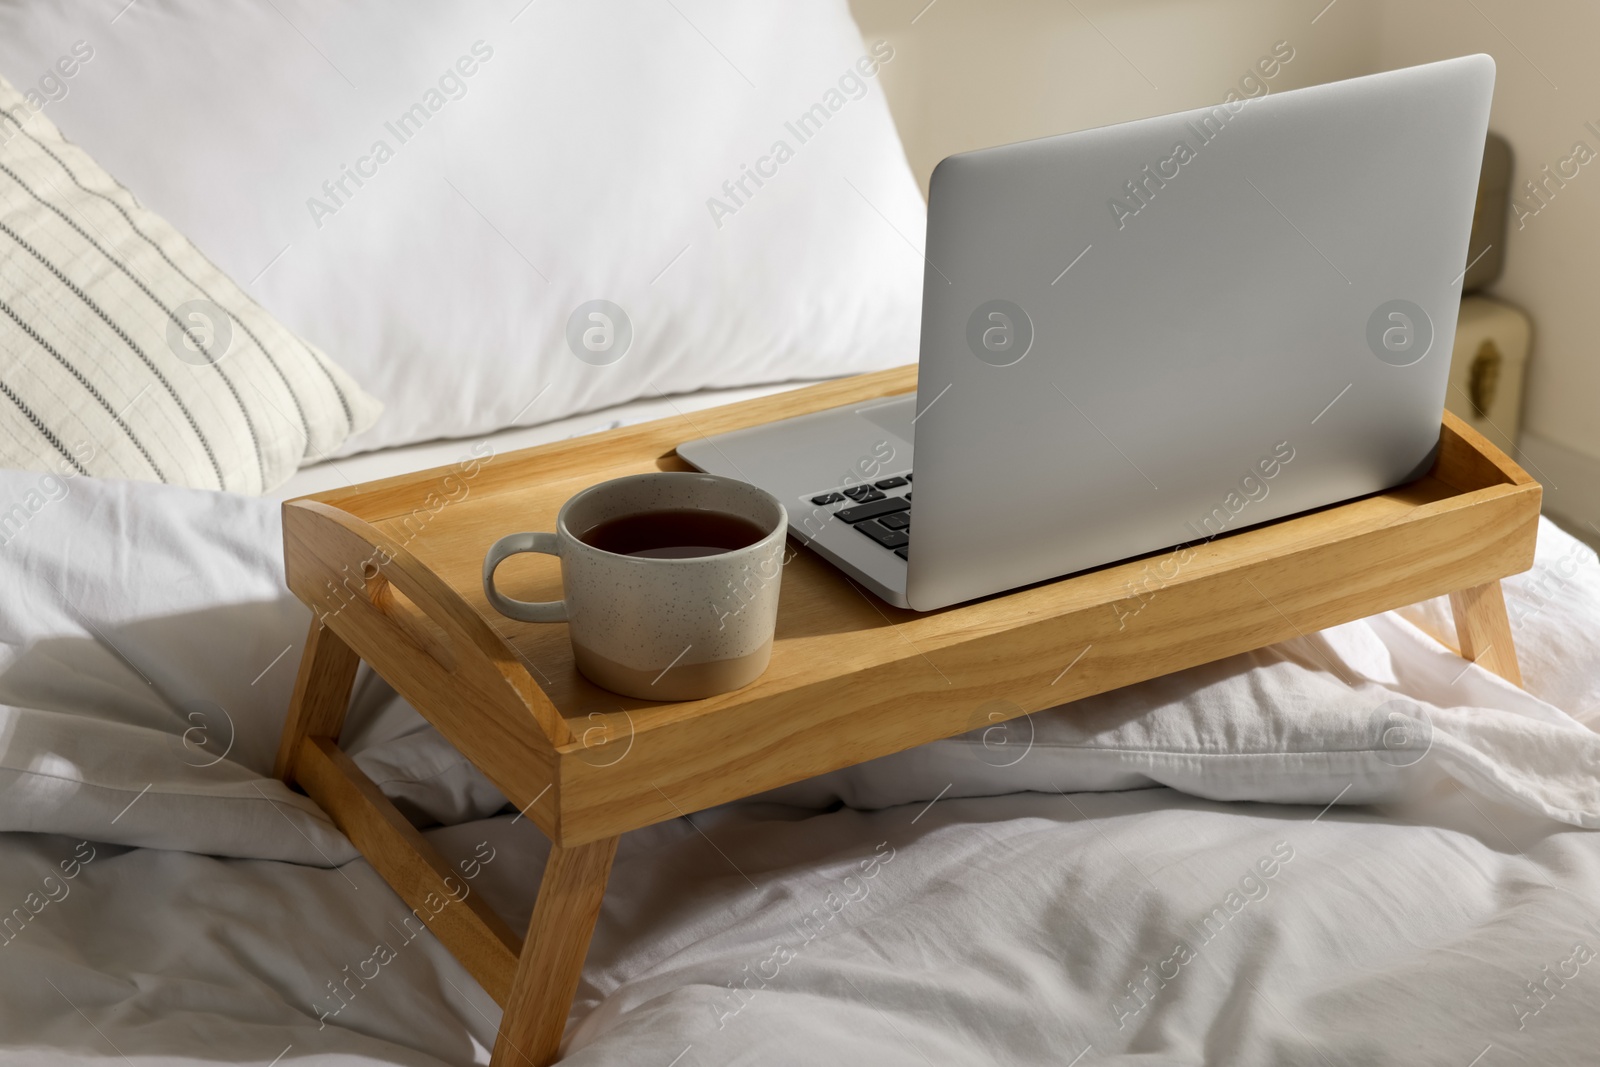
970 73
1547 87
973 73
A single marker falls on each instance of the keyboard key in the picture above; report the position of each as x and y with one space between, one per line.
898 520
862 493
884 505
828 498
890 483
908 476
903 552
886 538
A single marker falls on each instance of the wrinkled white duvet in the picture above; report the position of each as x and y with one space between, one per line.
986 909
1134 927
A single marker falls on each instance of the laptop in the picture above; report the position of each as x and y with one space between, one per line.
1150 335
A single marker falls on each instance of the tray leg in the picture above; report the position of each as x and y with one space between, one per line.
440 897
552 954
1484 631
321 696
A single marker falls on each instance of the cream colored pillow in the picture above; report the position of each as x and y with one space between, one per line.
124 353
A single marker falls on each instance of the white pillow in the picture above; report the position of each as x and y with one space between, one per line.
124 353
572 153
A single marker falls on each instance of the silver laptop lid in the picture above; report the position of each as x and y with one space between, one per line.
1152 333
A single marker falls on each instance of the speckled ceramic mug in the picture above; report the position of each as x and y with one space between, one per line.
661 629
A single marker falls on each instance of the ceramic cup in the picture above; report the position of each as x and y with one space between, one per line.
661 629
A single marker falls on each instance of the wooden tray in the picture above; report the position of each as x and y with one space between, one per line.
393 568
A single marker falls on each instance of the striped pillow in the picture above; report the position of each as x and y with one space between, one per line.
124 353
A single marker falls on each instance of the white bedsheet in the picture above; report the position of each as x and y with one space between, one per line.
996 931
353 470
1032 927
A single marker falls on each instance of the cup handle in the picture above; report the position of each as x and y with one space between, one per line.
525 610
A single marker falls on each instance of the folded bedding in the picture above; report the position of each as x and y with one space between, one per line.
1371 711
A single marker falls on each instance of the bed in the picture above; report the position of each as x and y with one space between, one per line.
1028 898
1352 848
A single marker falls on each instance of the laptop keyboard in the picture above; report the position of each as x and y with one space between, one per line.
882 516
